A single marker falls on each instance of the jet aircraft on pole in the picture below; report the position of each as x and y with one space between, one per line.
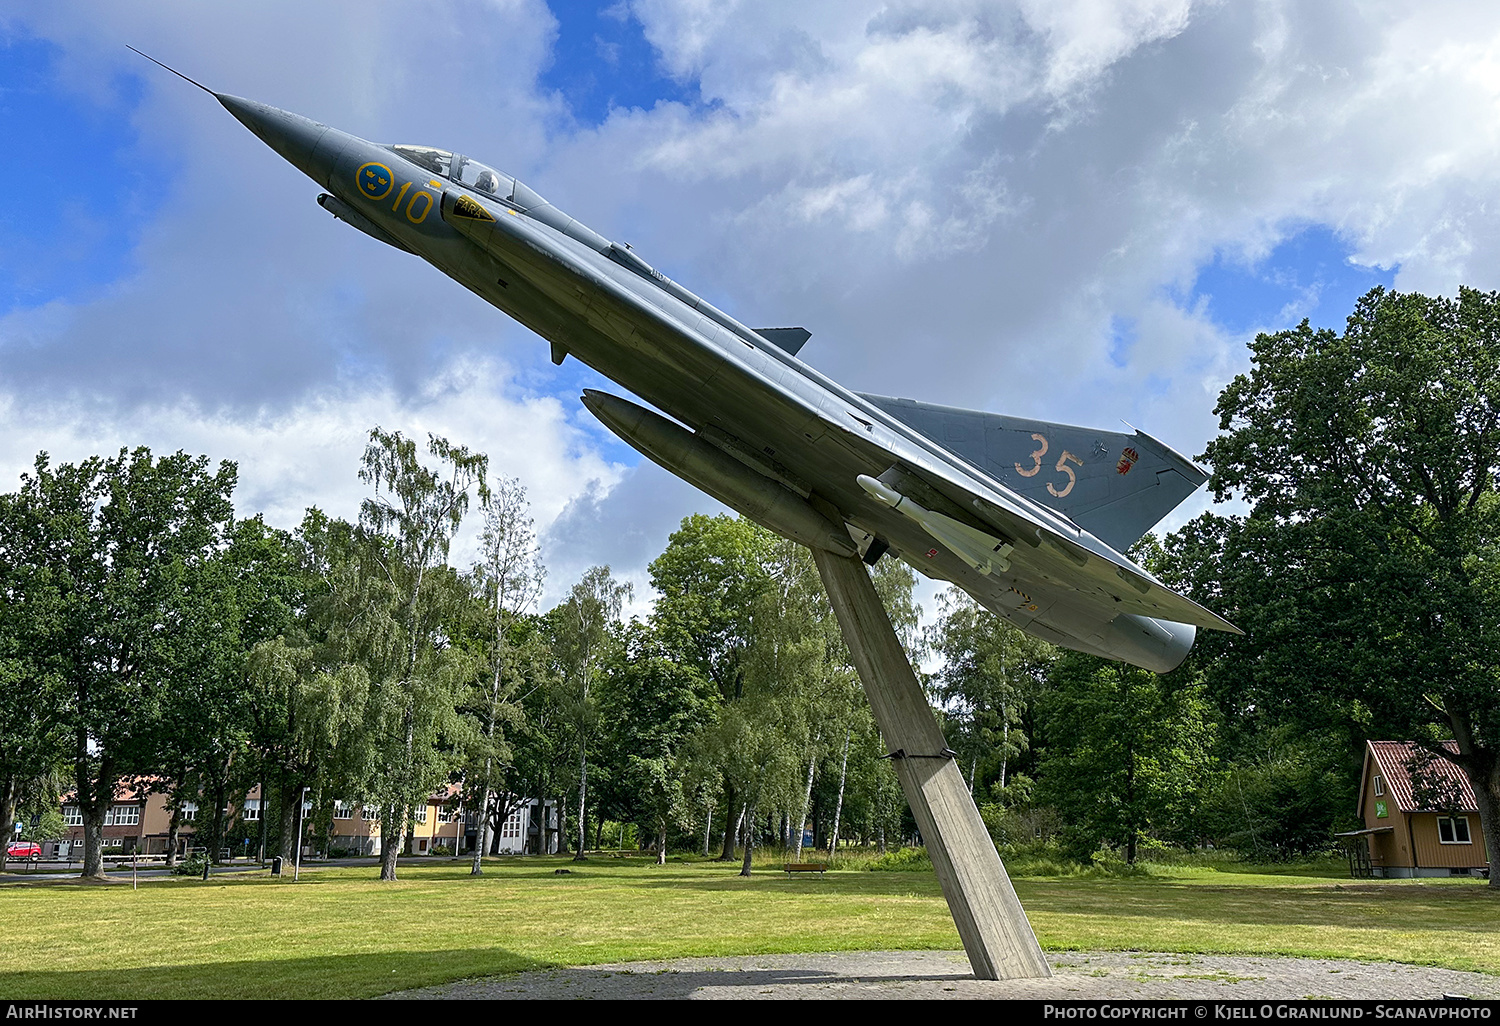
1030 518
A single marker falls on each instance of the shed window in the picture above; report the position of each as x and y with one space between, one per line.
1453 829
1379 786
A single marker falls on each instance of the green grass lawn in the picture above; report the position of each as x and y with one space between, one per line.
341 933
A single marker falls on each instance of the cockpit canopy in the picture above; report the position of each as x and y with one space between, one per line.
472 174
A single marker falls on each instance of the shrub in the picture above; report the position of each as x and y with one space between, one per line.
902 860
190 866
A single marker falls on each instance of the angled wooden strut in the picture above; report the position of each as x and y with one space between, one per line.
995 932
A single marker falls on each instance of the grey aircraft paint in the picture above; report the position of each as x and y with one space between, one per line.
1027 517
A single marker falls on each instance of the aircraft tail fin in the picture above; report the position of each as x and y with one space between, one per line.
1114 485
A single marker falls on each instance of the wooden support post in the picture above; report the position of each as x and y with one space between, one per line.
990 920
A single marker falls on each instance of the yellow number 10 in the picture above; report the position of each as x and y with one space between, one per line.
411 208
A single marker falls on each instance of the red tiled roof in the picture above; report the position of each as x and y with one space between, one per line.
1395 760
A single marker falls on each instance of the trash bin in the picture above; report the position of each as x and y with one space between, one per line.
275 865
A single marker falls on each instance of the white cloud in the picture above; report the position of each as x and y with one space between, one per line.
308 454
959 199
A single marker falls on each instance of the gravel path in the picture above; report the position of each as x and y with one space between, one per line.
945 974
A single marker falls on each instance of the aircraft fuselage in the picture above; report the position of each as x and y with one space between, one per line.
776 417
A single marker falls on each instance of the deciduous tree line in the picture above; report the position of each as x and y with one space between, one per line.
147 632
149 635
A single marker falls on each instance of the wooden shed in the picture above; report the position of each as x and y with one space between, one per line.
1419 814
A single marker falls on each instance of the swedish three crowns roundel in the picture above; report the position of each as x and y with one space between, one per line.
374 180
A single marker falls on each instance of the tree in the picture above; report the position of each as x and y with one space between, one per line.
1367 573
33 742
508 576
582 645
990 673
709 579
653 705
250 589
110 557
406 591
306 701
1125 753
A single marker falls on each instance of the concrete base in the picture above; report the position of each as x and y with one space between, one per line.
1407 872
993 926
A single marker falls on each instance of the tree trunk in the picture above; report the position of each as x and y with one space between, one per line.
1004 748
730 811
708 826
583 790
392 832
1487 799
265 809
661 841
291 803
1481 764
482 825
801 826
172 830
7 812
93 840
749 820
838 807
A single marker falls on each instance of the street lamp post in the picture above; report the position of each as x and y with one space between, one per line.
297 852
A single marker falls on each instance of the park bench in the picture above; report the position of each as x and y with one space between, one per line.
804 867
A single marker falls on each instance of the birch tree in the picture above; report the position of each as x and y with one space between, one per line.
406 528
508 577
584 622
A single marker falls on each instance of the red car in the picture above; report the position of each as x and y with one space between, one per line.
23 850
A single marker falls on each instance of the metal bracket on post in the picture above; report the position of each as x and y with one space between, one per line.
946 753
989 917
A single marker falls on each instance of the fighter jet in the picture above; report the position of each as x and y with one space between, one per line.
1028 517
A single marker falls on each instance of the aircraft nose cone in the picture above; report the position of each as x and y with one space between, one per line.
291 135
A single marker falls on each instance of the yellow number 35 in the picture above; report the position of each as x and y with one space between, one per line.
1062 467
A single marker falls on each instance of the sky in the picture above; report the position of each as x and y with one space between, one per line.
1074 210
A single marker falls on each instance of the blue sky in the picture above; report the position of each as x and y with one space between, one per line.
601 60
1064 211
87 192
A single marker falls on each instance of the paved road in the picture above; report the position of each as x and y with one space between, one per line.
945 974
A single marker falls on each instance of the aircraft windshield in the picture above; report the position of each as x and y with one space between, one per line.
482 178
433 160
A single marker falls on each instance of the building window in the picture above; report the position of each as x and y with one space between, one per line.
370 812
189 812
1453 829
421 814
71 816
123 815
1379 786
341 810
251 809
